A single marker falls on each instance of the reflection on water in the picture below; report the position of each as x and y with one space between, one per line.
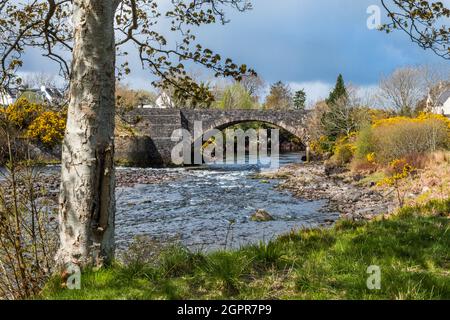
198 207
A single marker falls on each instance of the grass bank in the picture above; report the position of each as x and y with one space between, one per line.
412 249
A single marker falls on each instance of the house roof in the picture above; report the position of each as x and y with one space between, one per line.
444 97
33 95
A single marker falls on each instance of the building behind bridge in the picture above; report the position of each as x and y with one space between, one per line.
443 104
42 95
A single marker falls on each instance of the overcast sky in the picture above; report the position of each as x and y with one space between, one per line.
306 43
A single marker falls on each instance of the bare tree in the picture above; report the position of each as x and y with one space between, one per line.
36 80
436 80
91 33
402 90
253 84
127 99
314 123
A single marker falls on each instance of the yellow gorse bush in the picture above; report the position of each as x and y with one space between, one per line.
322 145
21 113
344 149
390 121
48 128
346 141
421 118
399 137
371 157
401 170
32 121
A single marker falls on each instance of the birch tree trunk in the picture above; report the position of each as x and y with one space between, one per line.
87 201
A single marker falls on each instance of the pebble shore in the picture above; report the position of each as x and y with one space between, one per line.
344 191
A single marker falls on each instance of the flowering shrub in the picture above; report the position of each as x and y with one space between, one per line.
421 118
21 113
371 157
343 154
399 169
48 128
344 150
377 114
33 121
398 137
321 146
364 143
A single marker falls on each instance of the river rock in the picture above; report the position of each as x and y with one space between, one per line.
347 216
353 201
371 211
331 168
355 196
261 216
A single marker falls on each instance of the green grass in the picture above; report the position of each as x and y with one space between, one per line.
373 178
411 248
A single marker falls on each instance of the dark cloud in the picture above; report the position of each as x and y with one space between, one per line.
301 41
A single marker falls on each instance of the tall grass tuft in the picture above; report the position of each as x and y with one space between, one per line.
267 255
227 268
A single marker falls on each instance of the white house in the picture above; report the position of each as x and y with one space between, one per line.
41 95
164 101
7 97
53 95
443 104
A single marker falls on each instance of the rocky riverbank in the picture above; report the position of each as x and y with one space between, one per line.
49 179
344 191
130 177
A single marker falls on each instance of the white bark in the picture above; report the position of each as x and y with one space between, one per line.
87 202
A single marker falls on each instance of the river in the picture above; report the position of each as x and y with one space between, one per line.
210 202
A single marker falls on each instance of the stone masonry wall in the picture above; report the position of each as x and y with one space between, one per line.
153 145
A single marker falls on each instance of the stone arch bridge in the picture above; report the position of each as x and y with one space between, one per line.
151 142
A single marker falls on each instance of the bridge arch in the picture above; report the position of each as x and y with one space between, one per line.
291 121
299 133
